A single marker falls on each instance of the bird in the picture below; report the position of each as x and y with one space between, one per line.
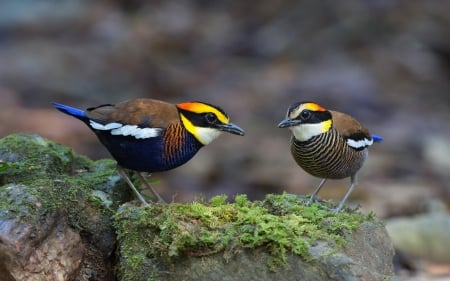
327 144
147 135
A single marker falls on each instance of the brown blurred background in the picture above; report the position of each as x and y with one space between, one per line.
385 62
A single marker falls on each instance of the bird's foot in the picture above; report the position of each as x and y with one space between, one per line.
124 176
312 199
147 184
335 210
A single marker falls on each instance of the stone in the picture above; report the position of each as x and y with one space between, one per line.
250 242
54 226
48 251
367 257
422 236
64 217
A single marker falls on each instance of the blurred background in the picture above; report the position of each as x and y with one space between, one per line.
385 62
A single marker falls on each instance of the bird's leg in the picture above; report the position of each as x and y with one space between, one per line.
353 180
127 179
144 181
313 197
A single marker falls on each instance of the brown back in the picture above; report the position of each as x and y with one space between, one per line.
348 126
143 112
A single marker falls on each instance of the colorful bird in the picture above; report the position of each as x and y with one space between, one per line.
327 144
147 135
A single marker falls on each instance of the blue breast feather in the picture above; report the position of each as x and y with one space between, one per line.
147 155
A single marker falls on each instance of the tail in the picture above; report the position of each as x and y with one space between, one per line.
75 112
376 138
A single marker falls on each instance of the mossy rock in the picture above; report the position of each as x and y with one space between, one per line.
52 197
49 192
276 238
51 177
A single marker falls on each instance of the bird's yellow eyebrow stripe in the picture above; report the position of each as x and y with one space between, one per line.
198 107
313 106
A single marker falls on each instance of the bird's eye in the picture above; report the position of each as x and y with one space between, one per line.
305 114
211 118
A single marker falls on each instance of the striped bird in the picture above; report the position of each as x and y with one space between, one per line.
327 144
147 135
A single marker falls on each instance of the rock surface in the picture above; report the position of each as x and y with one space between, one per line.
210 242
59 221
52 225
367 257
48 251
422 236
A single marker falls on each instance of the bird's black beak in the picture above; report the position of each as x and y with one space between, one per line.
231 128
288 123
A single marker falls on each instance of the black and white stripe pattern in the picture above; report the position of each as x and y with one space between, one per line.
329 155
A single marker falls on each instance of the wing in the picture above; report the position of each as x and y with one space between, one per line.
141 112
355 134
141 118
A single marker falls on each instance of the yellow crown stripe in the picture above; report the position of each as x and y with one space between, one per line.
314 106
198 107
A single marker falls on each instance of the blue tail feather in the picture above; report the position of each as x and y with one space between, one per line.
376 138
75 112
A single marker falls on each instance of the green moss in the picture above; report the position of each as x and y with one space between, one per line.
44 177
32 158
39 177
154 237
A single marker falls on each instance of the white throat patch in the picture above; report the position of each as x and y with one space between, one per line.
207 135
304 132
202 134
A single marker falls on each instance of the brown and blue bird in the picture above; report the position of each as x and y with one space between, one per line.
148 135
327 144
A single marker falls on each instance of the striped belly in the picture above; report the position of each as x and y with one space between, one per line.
328 156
